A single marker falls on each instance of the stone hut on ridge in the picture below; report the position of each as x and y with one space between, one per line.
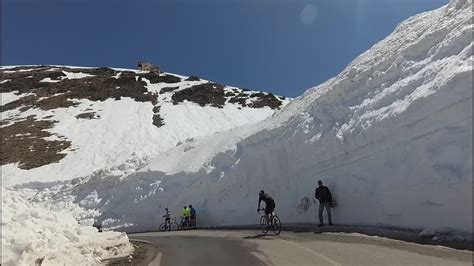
147 66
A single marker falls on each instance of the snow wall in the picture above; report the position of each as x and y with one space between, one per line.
391 136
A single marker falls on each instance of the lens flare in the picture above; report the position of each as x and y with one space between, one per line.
308 14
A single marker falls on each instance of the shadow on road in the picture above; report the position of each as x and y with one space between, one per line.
448 239
259 236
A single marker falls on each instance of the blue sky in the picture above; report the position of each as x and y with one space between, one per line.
281 46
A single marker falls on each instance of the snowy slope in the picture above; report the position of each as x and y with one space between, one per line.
391 136
101 121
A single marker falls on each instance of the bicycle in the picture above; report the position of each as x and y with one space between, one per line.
275 223
168 225
184 224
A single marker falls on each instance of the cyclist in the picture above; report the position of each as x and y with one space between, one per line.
186 214
167 216
193 216
269 205
166 225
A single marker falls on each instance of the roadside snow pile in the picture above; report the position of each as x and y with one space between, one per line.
391 136
32 235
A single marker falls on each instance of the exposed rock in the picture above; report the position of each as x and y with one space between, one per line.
99 87
28 101
154 77
258 100
168 89
193 78
157 120
203 94
265 100
238 99
25 143
88 115
156 109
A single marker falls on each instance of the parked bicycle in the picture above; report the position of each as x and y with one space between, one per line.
184 224
273 222
169 225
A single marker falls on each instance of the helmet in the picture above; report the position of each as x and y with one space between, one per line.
166 208
262 192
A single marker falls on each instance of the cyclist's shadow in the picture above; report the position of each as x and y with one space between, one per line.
259 236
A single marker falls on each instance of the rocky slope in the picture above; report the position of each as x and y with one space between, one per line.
60 123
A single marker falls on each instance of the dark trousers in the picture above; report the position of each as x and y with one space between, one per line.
328 210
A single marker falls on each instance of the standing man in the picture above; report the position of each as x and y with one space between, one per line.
324 196
193 216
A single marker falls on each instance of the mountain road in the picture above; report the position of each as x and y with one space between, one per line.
221 247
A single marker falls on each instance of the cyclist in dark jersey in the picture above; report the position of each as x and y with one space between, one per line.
167 215
269 204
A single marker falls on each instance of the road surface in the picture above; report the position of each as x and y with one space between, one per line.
206 247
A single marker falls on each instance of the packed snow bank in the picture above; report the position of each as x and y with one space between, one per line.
391 136
32 235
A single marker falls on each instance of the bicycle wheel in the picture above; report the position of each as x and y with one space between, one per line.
174 226
276 225
264 224
162 227
181 224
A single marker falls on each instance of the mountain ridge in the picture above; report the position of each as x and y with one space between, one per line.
40 103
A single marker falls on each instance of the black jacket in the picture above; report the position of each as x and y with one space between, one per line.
323 194
267 199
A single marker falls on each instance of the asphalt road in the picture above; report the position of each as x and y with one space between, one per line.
206 247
